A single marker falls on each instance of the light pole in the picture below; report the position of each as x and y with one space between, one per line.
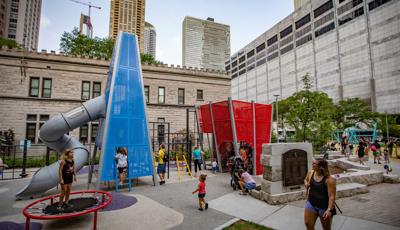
277 117
387 127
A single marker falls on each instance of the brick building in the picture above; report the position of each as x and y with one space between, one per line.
37 86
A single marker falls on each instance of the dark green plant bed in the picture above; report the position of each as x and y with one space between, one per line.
32 162
246 225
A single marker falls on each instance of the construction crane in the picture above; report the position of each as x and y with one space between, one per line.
90 7
87 4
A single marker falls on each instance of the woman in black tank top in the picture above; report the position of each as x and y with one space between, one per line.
321 190
66 174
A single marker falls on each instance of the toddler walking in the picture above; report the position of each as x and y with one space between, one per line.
214 166
201 190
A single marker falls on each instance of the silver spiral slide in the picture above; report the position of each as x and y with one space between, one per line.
53 134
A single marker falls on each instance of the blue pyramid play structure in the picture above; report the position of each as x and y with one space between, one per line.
125 122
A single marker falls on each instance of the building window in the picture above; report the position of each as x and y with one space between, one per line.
351 16
304 20
286 31
85 90
96 89
42 119
250 54
260 47
161 95
325 29
46 88
34 87
272 40
83 133
377 3
181 96
322 9
94 131
147 93
30 134
200 95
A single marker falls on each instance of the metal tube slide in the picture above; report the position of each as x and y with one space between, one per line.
53 135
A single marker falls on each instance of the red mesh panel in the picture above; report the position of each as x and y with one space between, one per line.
263 130
205 118
243 114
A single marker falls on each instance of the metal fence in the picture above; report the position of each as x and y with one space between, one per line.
14 164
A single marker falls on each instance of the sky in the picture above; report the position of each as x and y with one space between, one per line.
247 19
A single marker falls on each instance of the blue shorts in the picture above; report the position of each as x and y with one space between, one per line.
160 168
250 186
311 208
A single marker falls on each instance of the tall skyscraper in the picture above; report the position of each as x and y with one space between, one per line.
150 39
128 16
205 43
299 3
20 20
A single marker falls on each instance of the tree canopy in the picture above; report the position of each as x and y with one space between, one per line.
314 116
9 43
77 44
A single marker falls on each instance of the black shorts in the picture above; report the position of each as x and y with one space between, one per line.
121 170
201 195
68 179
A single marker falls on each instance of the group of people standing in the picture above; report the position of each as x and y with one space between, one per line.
363 148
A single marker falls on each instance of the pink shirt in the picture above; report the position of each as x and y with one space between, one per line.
202 187
247 178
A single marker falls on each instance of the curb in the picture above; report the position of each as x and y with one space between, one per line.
229 223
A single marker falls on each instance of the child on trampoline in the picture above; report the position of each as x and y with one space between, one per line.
66 174
201 190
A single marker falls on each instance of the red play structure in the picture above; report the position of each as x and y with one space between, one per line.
251 124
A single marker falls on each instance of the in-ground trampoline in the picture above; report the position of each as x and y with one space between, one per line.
81 203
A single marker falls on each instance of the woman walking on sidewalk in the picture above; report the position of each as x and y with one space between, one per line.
320 202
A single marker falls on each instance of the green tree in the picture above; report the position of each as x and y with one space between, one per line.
352 111
393 128
77 44
149 59
9 43
309 112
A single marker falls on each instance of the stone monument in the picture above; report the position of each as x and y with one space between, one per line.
285 167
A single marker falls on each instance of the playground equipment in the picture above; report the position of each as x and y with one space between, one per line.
185 164
236 121
123 123
46 208
353 133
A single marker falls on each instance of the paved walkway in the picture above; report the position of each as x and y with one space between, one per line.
283 216
173 206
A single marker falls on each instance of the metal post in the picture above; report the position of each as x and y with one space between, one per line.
277 117
233 126
253 108
387 127
168 143
200 135
215 139
188 146
47 156
92 161
23 173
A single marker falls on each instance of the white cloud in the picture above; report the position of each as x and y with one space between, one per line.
44 22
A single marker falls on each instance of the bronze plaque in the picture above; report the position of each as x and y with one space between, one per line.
294 167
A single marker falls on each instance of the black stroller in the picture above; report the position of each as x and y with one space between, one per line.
236 164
